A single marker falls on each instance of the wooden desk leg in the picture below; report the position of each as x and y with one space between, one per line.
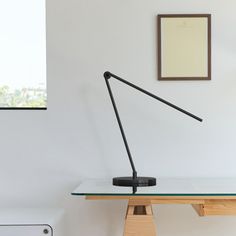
139 219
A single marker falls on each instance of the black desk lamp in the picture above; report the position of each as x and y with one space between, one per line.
135 180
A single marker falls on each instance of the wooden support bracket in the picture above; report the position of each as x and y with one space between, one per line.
216 207
139 219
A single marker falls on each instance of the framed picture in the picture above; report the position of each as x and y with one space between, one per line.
184 47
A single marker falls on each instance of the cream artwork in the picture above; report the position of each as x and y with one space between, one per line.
184 48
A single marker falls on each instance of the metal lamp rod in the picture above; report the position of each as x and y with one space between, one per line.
107 76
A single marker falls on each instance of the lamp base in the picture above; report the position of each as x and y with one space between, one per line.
131 182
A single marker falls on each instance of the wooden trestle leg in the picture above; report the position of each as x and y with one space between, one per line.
139 219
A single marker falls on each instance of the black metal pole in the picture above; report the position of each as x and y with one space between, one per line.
121 127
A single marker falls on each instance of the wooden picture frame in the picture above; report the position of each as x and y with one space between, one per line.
184 47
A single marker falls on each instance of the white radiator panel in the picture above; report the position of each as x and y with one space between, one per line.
32 222
25 230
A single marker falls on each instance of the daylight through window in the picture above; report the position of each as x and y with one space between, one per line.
22 54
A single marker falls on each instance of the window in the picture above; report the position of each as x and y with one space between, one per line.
22 54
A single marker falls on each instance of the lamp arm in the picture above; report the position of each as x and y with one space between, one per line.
108 75
121 127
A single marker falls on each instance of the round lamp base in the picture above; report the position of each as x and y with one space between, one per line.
137 182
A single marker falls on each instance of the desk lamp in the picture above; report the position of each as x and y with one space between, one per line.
135 180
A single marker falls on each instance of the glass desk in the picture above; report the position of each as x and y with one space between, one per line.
164 187
208 196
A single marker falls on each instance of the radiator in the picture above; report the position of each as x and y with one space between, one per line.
31 222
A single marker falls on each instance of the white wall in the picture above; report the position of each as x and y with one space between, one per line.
45 154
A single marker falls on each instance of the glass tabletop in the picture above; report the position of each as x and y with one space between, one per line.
164 187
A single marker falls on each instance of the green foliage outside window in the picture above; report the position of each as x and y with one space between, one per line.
25 97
